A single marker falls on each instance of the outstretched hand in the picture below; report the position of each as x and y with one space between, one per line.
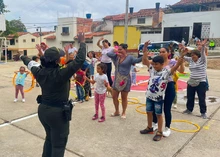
66 48
81 37
147 43
204 42
38 47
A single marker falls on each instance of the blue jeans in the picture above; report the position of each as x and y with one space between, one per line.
170 94
207 83
79 92
156 106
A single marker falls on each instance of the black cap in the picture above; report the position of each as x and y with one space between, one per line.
35 57
52 54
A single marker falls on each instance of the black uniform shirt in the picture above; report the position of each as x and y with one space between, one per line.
55 82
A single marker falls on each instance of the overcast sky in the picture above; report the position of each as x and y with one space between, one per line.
35 12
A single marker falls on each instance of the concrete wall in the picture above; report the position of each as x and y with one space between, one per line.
148 21
151 37
133 39
187 20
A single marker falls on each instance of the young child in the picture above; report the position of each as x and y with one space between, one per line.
101 81
20 79
91 55
36 59
80 81
133 75
155 93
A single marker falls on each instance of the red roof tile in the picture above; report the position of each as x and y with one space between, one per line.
141 13
36 34
52 37
92 34
190 2
17 34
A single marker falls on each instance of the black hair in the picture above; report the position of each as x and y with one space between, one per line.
93 54
116 43
158 59
167 49
196 52
34 58
103 67
124 46
106 41
46 62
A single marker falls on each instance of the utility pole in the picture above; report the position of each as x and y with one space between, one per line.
39 33
126 22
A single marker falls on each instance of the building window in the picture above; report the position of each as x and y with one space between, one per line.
65 31
151 32
12 41
141 20
16 40
24 40
32 40
218 6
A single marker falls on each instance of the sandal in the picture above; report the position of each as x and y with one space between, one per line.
158 136
123 117
147 131
115 115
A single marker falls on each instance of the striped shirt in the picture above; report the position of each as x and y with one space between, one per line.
198 68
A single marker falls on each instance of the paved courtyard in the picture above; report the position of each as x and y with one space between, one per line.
21 134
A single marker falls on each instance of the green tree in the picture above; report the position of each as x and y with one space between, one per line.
14 26
2 7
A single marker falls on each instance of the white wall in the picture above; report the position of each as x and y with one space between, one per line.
151 37
148 21
109 26
187 20
66 22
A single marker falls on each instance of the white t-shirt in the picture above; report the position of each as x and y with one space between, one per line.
100 83
157 83
105 58
72 50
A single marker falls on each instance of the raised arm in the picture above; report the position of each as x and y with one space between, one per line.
98 43
145 60
66 48
175 67
203 51
112 54
136 60
40 52
73 66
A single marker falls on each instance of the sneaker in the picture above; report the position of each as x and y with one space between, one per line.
102 119
187 111
204 116
158 136
155 126
175 106
23 100
166 132
147 131
95 117
15 100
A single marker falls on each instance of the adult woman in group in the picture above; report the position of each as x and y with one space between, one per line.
170 92
104 58
197 80
122 79
55 86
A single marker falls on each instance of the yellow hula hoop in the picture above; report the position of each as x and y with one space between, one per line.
186 131
131 101
139 111
32 82
74 95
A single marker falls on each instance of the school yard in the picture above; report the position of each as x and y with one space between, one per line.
21 134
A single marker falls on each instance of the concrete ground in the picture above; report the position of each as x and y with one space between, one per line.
21 134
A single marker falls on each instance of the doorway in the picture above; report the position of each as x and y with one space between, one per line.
197 29
176 33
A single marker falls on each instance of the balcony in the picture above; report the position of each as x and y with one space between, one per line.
65 33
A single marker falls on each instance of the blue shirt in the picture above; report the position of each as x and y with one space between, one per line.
20 78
